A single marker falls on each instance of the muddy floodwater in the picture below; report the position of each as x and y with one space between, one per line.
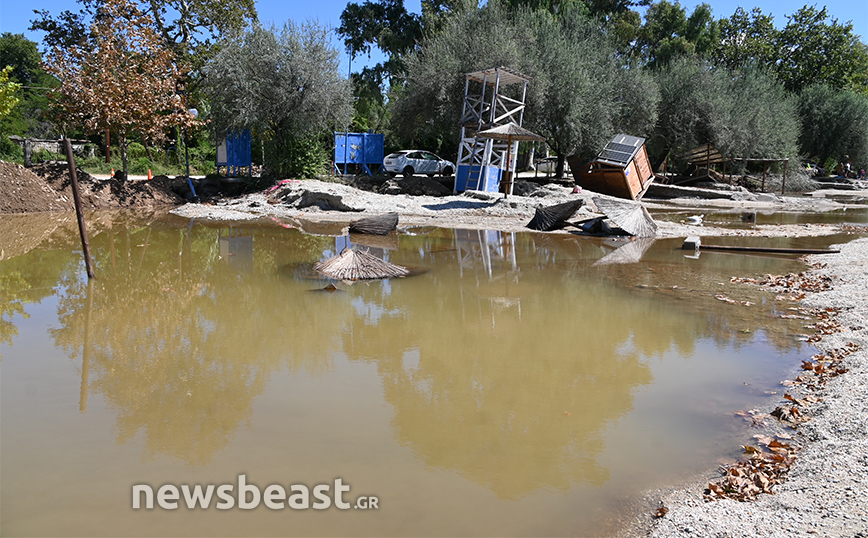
518 384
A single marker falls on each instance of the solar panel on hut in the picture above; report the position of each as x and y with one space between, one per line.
622 169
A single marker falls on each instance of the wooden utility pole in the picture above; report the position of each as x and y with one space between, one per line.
76 195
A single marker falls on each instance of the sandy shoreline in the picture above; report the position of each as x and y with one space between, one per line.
825 492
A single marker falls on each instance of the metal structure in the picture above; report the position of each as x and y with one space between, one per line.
481 161
362 149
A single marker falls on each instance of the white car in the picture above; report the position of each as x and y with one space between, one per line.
415 161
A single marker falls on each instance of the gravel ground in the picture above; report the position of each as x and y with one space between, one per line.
475 210
827 487
826 490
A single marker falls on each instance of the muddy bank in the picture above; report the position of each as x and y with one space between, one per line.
47 187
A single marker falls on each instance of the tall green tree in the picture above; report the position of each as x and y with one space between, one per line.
834 124
814 48
744 114
669 32
25 61
746 39
285 86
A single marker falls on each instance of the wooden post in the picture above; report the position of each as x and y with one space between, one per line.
85 352
76 195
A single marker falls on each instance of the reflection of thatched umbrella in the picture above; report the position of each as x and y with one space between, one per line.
554 216
353 265
511 133
631 252
632 217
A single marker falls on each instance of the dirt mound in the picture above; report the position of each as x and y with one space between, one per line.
109 193
22 191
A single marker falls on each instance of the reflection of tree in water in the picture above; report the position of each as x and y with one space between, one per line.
510 379
181 344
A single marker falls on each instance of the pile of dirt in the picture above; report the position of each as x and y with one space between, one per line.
109 193
47 187
22 191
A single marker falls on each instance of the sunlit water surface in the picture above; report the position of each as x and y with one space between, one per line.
520 385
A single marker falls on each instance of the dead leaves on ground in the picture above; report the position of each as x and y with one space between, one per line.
768 462
792 287
767 465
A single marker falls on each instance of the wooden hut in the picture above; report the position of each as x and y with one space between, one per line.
622 169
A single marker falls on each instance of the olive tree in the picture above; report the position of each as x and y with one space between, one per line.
579 95
284 86
744 114
834 124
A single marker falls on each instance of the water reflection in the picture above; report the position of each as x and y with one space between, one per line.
504 363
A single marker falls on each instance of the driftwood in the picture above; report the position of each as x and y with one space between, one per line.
359 265
379 225
632 217
553 217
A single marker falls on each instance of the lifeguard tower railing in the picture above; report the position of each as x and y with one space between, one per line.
481 161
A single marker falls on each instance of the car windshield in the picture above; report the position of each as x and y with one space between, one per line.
397 155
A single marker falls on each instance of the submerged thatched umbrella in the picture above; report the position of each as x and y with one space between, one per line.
359 265
510 132
632 217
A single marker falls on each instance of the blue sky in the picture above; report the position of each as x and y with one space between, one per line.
15 15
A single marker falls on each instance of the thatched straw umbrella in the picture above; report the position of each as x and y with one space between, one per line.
632 217
554 216
359 265
510 132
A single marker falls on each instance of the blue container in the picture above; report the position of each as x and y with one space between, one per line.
365 149
233 152
489 180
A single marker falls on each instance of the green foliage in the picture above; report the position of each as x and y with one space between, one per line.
298 157
28 117
814 48
283 85
834 123
579 95
744 114
669 33
10 151
8 91
746 39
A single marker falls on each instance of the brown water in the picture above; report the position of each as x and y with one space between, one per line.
512 388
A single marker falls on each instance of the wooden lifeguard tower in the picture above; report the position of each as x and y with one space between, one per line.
481 161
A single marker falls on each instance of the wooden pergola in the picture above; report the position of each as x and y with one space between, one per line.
708 155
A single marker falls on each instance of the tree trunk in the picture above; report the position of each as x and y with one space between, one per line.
124 155
108 147
148 151
559 170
